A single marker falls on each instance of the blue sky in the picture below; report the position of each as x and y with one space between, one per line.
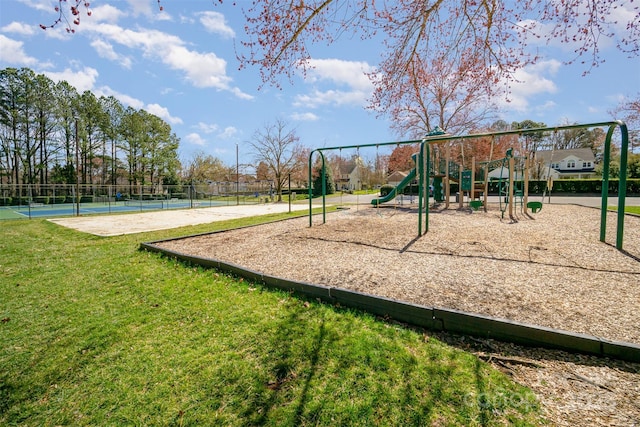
180 64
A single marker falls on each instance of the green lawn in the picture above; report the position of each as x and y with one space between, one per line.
627 209
632 209
8 213
96 332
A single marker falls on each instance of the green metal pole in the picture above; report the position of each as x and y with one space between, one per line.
605 183
426 188
324 189
420 172
622 183
309 186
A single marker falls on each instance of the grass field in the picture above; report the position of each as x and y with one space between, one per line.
631 209
96 332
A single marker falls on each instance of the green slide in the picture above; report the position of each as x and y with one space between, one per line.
406 181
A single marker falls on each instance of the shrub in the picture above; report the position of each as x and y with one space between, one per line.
386 189
633 186
41 199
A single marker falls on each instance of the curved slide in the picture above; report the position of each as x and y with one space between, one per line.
393 193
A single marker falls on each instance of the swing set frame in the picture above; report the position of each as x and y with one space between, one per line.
438 136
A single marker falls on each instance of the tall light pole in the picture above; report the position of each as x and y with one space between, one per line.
237 177
77 172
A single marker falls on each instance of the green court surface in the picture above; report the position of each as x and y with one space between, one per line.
38 210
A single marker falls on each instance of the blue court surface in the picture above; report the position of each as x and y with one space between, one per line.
38 210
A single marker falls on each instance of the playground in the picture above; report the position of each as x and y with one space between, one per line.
552 265
550 269
556 268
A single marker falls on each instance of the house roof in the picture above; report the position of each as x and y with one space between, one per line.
397 175
581 153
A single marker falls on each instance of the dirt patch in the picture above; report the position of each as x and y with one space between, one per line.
114 225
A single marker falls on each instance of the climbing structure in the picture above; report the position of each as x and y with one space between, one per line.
512 181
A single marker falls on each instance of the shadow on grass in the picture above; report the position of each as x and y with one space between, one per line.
319 373
289 356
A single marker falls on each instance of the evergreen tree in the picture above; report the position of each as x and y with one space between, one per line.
317 181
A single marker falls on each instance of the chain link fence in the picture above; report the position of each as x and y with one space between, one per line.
37 200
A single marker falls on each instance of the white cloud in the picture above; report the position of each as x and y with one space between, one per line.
105 50
228 132
195 139
200 69
304 117
42 5
186 20
105 13
215 22
163 113
207 128
331 97
619 15
531 81
19 28
349 75
12 52
125 99
141 7
82 80
240 94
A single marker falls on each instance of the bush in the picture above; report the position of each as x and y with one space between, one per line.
411 190
574 186
386 189
633 186
41 199
149 196
6 201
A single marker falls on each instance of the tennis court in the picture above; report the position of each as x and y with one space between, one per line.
39 210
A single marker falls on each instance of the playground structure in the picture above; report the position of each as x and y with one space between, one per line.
512 183
424 170
411 176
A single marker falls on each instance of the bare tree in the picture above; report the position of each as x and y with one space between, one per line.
628 110
277 146
204 167
430 95
495 37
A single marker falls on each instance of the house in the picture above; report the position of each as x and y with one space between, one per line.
557 164
349 177
396 178
539 172
574 163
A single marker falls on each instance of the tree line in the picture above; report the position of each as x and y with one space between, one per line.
52 134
